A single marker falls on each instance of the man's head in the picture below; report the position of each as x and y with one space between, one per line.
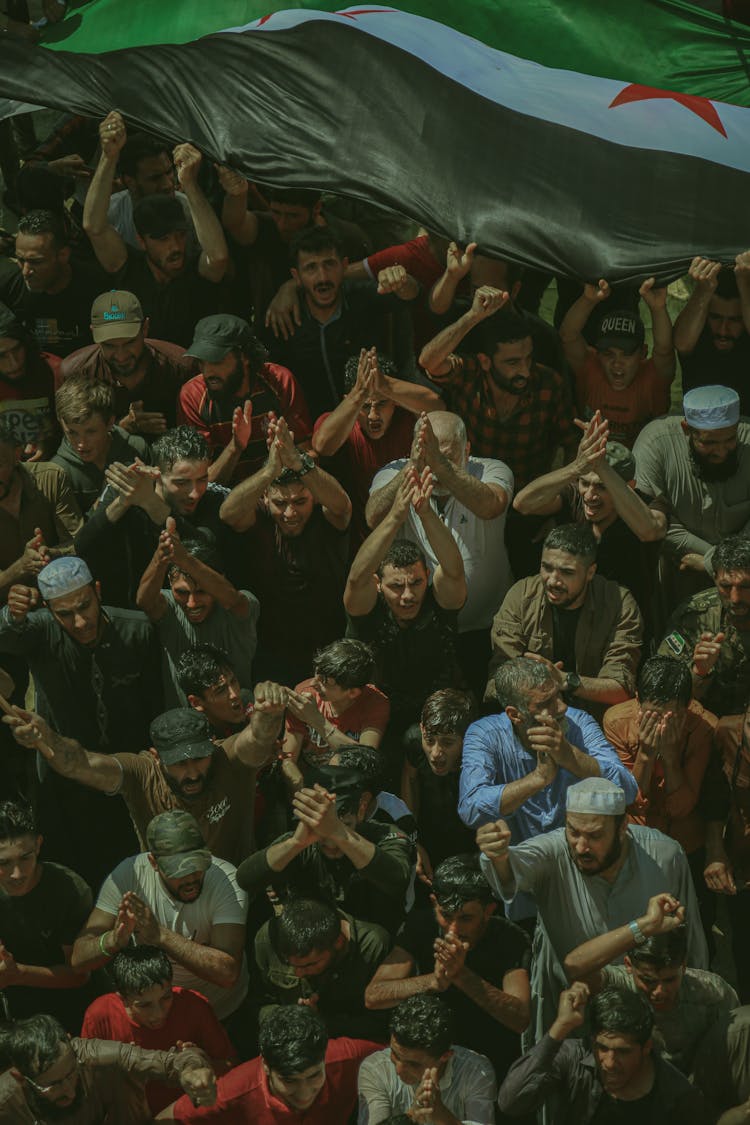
14 347
196 603
72 597
318 266
376 414
450 431
665 685
568 565
161 227
462 899
355 789
178 852
229 353
146 167
307 935
211 685
621 1023
446 716
620 342
117 326
711 423
142 976
41 1059
341 670
506 350
596 499
402 580
290 504
595 825
293 209
292 1043
731 562
421 1037
725 321
11 450
181 743
20 842
530 694
86 411
43 252
658 968
182 457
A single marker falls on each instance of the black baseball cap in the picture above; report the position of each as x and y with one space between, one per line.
181 734
155 216
621 328
214 336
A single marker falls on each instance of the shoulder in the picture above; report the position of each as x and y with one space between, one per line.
193 389
63 880
657 431
129 622
492 728
47 476
345 1050
278 376
706 988
655 843
702 605
490 470
387 473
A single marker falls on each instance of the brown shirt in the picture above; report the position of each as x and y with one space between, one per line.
224 810
675 813
47 502
735 763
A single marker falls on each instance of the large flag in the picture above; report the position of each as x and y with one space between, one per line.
598 168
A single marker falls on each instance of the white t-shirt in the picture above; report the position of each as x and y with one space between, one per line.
481 542
221 902
467 1088
120 216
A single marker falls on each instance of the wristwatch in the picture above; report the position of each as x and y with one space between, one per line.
307 466
572 683
638 935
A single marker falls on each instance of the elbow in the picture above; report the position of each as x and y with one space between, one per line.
654 533
522 1021
322 447
78 961
521 504
426 361
228 974
231 517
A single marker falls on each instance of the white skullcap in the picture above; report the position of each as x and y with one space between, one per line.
711 408
63 576
596 796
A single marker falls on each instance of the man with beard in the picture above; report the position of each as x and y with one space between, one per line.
53 1078
235 395
180 898
145 374
701 465
710 632
589 877
174 289
586 629
185 768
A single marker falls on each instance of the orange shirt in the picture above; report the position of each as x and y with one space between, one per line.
629 410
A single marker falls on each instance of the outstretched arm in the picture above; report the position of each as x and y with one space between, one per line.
361 592
692 319
214 257
64 755
664 913
663 350
571 330
435 356
109 246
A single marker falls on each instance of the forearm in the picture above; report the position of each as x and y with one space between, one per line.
541 496
740 1114
641 520
389 993
208 229
481 500
209 964
91 951
598 689
744 291
333 432
238 510
222 469
691 321
502 1006
413 396
327 491
443 544
715 846
358 850
643 769
516 792
50 976
578 762
593 955
10 577
254 745
233 212
280 855
149 595
214 583
380 503
435 353
674 778
370 554
663 349
443 293
575 319
96 204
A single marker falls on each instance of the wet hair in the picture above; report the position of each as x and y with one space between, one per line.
661 951
138 967
200 668
42 221
8 435
293 196
506 326
305 926
365 760
733 553
182 443
348 662
576 539
618 1011
424 1023
32 1045
78 398
448 711
292 1039
203 549
314 240
663 678
517 677
458 880
141 146
385 363
17 819
402 553
726 284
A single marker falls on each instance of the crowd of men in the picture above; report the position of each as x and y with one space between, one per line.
374 660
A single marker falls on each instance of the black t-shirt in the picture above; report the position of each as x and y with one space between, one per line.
564 627
58 321
174 307
659 1106
441 829
706 366
503 948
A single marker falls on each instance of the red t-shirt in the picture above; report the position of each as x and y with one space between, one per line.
245 1099
365 456
191 1019
28 404
629 410
370 709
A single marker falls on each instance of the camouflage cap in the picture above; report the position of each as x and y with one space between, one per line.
176 842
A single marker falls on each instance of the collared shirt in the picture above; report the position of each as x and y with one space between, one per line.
47 502
467 1088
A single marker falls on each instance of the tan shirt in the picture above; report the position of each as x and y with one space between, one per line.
47 502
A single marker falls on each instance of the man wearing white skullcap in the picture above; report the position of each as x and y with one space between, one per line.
701 465
587 878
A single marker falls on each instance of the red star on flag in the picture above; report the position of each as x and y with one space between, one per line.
704 108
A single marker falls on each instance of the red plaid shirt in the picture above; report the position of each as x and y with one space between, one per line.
528 439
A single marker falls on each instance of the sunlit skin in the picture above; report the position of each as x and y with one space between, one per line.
594 842
298 1091
166 254
62 1078
661 987
291 217
91 439
12 359
468 924
126 357
734 592
321 276
230 376
189 778
565 578
511 365
183 486
45 266
154 175
714 446
290 507
403 589
79 614
412 1062
442 751
620 367
151 1007
20 870
195 603
620 1061
222 702
725 322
